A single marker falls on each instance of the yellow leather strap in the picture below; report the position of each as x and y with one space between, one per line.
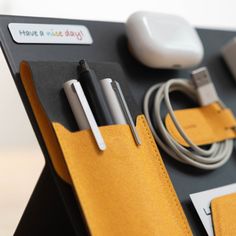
203 125
224 215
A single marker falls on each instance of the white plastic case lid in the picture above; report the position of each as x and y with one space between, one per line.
163 41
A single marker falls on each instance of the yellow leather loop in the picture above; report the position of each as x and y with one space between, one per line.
203 125
224 215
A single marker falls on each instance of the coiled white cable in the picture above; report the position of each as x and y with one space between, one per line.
214 157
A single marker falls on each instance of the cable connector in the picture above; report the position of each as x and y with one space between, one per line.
205 88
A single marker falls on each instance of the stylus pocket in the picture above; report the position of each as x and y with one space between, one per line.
124 190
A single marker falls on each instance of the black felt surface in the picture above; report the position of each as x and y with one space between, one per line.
49 78
110 44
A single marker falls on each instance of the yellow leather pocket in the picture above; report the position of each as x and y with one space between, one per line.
224 215
203 125
124 190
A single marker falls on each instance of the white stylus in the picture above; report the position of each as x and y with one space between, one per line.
82 112
112 101
75 105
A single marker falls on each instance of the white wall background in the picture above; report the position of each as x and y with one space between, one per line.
21 160
214 13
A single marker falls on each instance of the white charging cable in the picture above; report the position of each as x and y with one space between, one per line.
202 90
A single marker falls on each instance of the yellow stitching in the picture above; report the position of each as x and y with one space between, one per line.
165 175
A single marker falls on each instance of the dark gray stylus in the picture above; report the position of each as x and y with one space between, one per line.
94 94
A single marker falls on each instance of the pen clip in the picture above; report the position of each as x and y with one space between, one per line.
89 115
124 106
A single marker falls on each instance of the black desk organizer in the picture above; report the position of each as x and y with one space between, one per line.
51 210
